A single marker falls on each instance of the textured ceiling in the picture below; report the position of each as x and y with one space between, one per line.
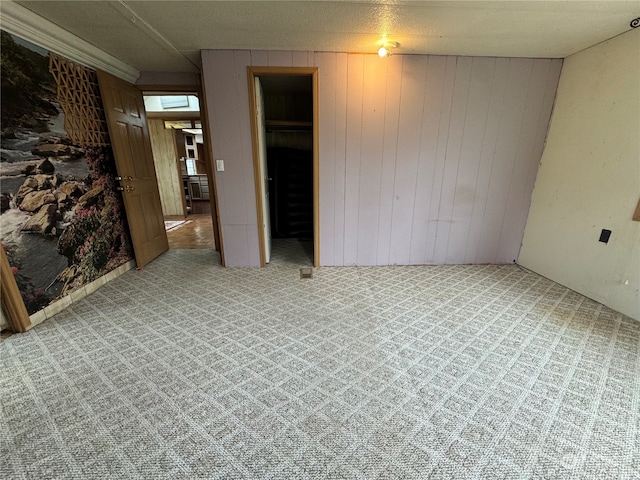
168 35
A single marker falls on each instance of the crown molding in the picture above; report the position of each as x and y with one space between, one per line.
25 24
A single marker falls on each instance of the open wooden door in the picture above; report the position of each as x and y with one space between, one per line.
264 180
129 134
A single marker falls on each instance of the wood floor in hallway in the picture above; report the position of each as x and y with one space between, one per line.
196 233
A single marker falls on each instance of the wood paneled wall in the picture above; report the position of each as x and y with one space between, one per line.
164 159
423 159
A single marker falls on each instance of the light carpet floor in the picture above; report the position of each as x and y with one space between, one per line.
186 370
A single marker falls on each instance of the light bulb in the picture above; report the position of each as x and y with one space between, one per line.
383 52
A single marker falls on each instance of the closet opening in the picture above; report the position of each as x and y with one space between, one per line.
284 123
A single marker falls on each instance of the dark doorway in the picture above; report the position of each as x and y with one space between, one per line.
288 108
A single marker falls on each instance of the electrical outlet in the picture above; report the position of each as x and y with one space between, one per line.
605 235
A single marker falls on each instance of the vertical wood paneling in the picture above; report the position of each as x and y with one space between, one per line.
423 159
414 76
487 150
473 132
389 155
165 161
452 157
428 143
219 76
242 58
233 153
238 255
340 156
259 58
373 101
523 177
441 151
300 59
355 75
280 58
514 102
226 87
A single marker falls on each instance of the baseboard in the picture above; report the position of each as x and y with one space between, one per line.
78 294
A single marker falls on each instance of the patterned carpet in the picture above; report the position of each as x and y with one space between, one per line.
291 252
188 370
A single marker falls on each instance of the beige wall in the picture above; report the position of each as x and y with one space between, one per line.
164 158
589 179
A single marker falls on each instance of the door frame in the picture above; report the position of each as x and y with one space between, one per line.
197 90
252 73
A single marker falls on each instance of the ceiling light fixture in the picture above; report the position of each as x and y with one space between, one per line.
385 50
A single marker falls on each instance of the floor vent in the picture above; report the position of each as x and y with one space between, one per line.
306 272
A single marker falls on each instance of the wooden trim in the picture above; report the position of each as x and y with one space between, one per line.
191 115
12 303
316 171
253 72
211 172
169 89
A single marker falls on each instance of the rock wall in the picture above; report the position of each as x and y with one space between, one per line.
62 220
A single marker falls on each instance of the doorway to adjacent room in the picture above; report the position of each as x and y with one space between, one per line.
185 179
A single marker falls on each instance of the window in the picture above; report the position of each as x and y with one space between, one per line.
174 101
191 166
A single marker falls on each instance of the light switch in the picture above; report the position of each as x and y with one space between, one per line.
220 165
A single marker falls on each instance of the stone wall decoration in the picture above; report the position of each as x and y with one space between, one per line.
62 221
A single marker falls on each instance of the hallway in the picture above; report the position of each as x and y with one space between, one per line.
196 233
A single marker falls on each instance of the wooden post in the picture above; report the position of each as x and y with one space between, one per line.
12 303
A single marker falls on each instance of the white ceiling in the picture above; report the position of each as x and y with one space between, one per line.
168 35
